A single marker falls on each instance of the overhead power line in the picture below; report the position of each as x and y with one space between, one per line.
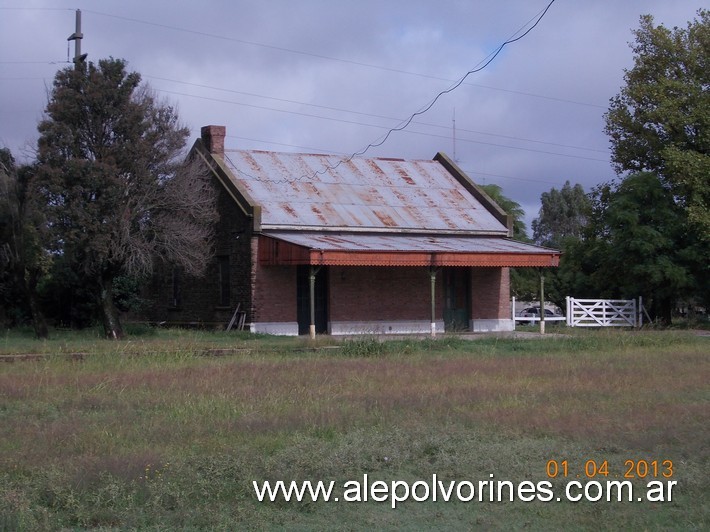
271 142
404 124
33 62
24 8
388 129
350 111
299 52
456 85
528 179
337 59
431 104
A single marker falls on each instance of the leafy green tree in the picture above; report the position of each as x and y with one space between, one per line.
660 121
639 244
110 157
573 276
511 208
563 213
561 222
23 259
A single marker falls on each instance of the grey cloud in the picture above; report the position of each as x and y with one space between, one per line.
576 54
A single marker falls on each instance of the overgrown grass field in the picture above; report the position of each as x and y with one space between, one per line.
167 430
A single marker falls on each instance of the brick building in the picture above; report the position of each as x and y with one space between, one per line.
324 244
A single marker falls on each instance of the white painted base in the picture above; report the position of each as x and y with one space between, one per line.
384 327
493 325
288 328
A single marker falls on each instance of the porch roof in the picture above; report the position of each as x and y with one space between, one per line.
374 249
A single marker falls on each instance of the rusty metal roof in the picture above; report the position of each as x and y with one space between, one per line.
355 242
363 194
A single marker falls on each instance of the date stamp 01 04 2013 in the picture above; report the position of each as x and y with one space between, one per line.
631 469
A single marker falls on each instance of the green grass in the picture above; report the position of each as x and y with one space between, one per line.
168 429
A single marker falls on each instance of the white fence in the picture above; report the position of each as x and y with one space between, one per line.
595 313
604 312
532 318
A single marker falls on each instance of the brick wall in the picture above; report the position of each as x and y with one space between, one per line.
382 293
234 235
274 292
199 297
490 293
268 293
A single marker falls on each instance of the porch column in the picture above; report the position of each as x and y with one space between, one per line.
432 273
312 299
542 302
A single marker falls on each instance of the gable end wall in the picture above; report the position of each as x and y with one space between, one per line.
199 297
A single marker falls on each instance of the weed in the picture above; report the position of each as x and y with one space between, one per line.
366 346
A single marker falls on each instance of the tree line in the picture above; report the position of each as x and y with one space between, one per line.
110 196
648 232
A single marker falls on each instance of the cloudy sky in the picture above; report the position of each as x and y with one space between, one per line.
332 76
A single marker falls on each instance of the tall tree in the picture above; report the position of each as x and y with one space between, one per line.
561 224
109 156
660 121
563 213
639 244
23 259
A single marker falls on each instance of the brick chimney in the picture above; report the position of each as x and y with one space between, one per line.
213 137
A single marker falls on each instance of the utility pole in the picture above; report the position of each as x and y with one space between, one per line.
77 36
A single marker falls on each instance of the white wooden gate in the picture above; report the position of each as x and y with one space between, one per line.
604 312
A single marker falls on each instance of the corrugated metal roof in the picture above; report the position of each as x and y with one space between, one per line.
355 242
301 190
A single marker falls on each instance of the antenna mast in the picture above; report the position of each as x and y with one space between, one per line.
77 36
454 133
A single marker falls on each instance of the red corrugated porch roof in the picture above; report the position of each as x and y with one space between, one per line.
358 249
